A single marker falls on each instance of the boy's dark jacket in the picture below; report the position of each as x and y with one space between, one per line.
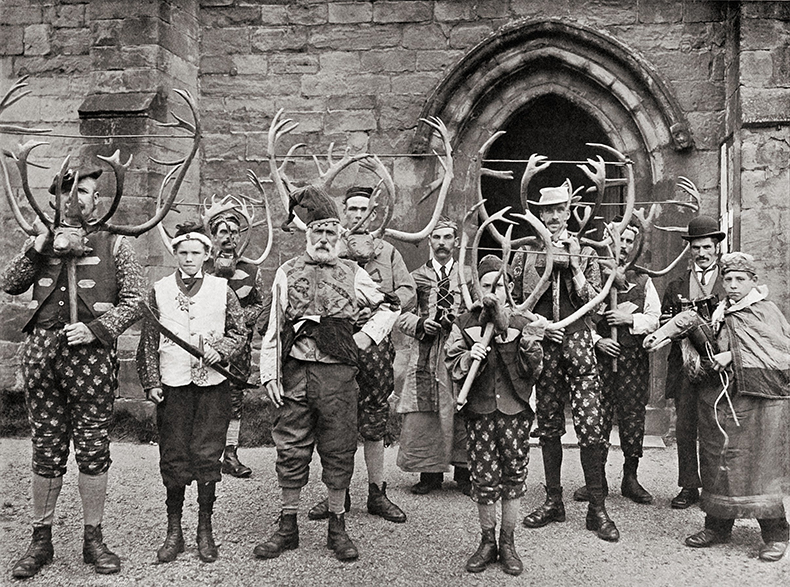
510 368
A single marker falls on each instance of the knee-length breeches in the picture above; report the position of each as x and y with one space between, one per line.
570 369
192 423
627 392
69 392
376 380
319 409
497 447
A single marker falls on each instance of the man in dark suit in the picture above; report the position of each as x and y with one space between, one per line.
702 281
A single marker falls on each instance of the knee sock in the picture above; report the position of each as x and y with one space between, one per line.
552 462
337 501
175 500
207 495
45 492
290 498
510 511
232 437
487 515
93 492
374 460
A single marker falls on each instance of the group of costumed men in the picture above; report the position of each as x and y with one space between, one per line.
326 364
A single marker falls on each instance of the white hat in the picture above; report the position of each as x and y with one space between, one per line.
557 195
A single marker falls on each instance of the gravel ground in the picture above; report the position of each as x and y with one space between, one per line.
430 549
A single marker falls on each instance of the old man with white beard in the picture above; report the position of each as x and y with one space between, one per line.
309 373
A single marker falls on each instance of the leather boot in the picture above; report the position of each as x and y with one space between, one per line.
428 482
96 553
38 554
286 538
338 540
462 478
485 554
598 519
380 505
508 556
320 511
174 541
552 510
207 549
231 465
630 486
582 494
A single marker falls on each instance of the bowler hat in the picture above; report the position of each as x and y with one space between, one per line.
702 227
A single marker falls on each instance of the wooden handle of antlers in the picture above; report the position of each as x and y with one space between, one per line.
71 268
488 334
613 329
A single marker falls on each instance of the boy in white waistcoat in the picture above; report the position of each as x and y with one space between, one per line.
193 400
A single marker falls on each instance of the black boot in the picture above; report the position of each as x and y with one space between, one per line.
286 538
380 505
96 553
320 511
428 482
630 486
38 554
207 548
581 494
597 518
174 541
231 465
461 477
508 556
552 510
485 554
338 540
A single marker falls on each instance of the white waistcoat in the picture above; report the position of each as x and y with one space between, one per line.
190 318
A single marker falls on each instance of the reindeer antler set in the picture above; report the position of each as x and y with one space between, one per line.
383 198
73 210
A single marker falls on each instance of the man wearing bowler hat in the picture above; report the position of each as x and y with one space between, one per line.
700 286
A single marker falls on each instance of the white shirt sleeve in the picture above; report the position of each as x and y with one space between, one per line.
647 321
383 319
269 358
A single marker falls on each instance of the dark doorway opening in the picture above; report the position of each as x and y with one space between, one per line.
557 128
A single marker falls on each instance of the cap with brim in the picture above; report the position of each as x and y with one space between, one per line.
68 179
703 227
358 191
555 195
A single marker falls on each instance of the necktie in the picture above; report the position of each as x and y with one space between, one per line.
705 276
445 298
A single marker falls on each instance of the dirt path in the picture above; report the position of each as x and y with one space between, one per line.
430 549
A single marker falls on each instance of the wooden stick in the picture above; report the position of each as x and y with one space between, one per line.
71 268
488 334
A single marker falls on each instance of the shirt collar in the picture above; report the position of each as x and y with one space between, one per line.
198 275
438 266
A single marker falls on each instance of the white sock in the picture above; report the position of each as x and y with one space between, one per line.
93 493
374 461
45 492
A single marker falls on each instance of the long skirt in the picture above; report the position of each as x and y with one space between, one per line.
746 473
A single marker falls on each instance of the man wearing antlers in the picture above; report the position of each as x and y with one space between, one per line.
376 378
570 368
224 223
309 363
70 368
628 384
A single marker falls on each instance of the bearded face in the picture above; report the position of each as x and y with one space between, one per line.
225 238
322 242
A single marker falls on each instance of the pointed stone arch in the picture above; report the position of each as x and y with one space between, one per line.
542 52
